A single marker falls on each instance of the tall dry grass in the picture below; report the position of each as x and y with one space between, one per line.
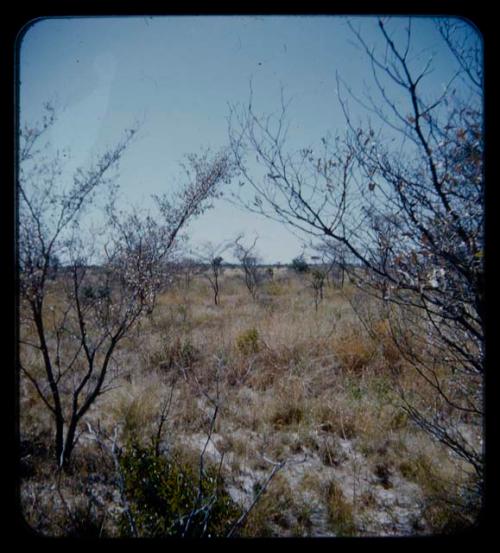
314 388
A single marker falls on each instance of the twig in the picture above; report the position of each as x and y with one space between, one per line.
277 466
163 417
114 451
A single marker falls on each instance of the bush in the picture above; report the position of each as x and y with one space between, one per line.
272 512
179 353
354 351
96 292
299 265
287 415
274 288
248 342
85 521
162 493
330 452
339 510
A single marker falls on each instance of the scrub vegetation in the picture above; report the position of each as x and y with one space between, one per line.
162 394
306 391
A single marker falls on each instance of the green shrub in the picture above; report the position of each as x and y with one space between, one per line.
162 493
399 420
248 342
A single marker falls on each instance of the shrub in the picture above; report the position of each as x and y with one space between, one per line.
248 342
299 265
270 514
383 473
287 414
85 521
290 402
354 351
134 418
339 510
178 354
162 493
330 452
399 420
96 292
136 411
274 288
390 350
446 508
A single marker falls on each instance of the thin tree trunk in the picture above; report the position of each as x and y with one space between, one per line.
57 411
216 291
59 438
69 444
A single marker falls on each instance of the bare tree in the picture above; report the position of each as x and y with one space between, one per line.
186 269
76 323
468 54
212 255
250 264
406 201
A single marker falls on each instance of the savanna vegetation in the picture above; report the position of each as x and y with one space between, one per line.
216 398
167 395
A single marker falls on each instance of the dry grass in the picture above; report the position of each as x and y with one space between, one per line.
312 388
339 510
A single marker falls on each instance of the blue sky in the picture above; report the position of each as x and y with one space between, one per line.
178 75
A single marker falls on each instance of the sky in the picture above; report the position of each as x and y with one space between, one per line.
178 75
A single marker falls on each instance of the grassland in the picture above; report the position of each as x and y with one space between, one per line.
308 389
